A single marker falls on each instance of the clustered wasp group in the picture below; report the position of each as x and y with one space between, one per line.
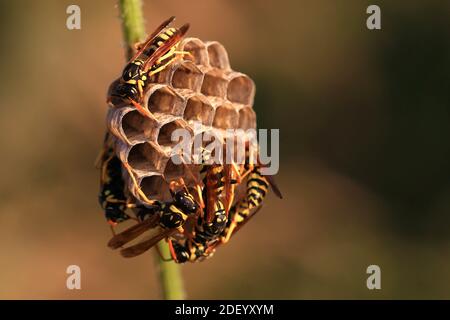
196 220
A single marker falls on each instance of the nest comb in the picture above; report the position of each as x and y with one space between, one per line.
200 93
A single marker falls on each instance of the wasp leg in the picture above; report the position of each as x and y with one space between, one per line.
246 173
178 183
132 206
236 171
198 189
161 68
184 53
230 185
112 230
167 55
198 186
235 225
141 110
104 174
229 232
178 54
172 250
174 52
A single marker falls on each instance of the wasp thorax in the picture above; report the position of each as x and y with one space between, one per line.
185 202
133 71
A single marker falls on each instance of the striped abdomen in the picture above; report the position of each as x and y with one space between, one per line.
257 188
206 231
240 211
112 198
159 41
189 251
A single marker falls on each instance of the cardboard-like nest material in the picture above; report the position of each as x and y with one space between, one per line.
199 88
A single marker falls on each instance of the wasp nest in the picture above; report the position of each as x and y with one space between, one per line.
200 93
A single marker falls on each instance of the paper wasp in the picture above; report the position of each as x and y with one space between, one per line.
257 189
217 179
153 56
112 197
198 247
170 216
188 251
206 231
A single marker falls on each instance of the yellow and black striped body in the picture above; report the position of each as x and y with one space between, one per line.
112 197
213 179
208 231
189 251
174 214
205 234
134 79
257 188
171 217
240 211
158 42
239 214
137 72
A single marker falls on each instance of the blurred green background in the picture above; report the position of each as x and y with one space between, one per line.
365 153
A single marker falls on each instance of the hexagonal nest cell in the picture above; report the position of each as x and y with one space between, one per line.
241 89
173 171
199 109
155 187
187 76
215 84
136 127
199 92
147 157
247 118
218 57
167 129
226 117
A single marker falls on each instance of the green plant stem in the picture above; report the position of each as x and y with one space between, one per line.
170 275
133 32
132 23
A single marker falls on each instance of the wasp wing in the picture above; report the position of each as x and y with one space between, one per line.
150 38
274 186
166 46
144 246
133 232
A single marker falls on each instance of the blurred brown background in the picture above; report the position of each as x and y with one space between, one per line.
365 152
